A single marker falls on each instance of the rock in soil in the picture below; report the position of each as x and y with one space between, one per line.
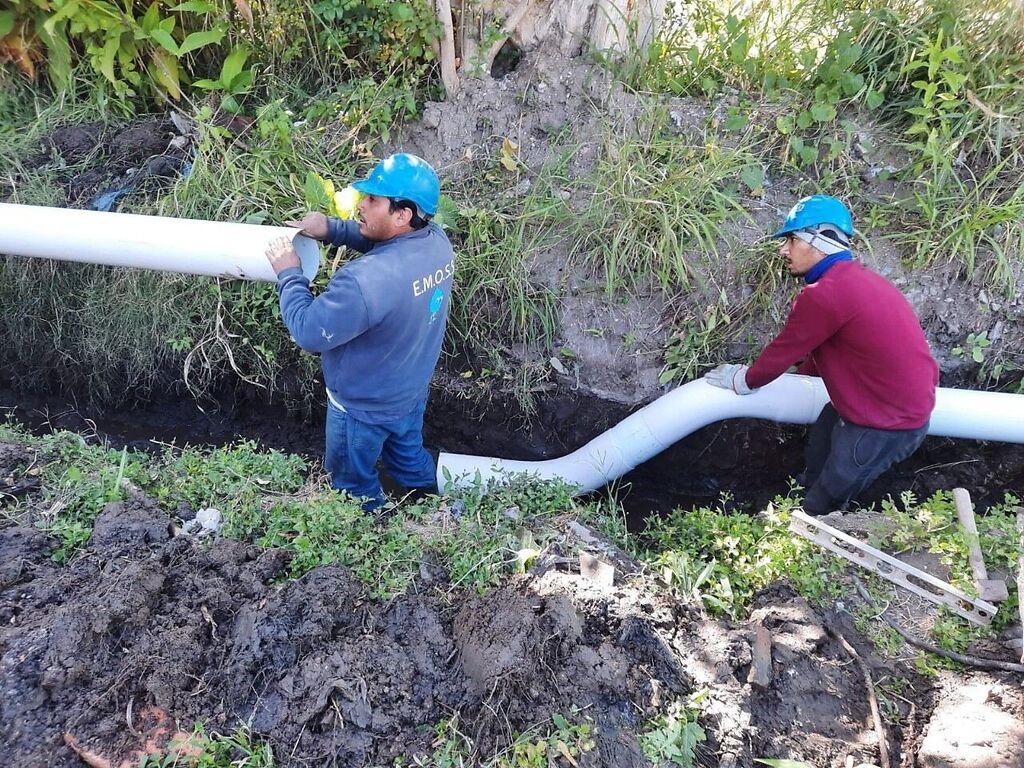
978 723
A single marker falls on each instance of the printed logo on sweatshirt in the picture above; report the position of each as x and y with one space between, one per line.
424 284
435 303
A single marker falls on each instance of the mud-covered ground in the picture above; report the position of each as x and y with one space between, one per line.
148 622
149 631
110 160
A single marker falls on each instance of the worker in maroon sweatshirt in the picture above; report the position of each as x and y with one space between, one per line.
855 330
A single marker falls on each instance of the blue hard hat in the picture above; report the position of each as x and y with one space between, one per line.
404 177
815 210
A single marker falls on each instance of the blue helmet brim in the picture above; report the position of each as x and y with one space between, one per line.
368 187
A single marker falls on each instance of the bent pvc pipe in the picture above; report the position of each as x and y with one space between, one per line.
791 399
191 246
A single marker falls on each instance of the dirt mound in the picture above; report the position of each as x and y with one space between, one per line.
182 630
18 471
94 158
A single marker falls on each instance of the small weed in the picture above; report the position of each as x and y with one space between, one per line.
725 557
544 745
974 347
673 736
566 741
239 749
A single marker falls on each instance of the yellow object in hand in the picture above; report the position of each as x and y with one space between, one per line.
346 201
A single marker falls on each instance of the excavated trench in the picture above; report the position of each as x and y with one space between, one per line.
746 462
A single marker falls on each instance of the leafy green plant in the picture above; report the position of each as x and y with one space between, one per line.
130 45
941 85
673 737
566 741
233 81
688 578
547 744
974 222
931 525
729 556
974 347
376 34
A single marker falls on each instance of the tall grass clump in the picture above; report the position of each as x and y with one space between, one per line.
941 78
496 299
657 207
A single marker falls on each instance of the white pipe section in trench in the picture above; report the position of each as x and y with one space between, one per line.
790 398
239 251
217 249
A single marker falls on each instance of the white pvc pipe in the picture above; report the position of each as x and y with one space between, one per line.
195 247
239 251
790 398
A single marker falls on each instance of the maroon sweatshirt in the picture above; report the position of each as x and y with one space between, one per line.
859 333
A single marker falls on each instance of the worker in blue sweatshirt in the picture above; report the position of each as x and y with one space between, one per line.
378 326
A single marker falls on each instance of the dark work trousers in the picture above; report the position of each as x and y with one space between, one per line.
843 459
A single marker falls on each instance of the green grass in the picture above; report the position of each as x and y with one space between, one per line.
496 299
276 500
658 207
723 558
475 541
976 224
931 525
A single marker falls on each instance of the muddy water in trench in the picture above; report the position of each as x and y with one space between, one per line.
749 461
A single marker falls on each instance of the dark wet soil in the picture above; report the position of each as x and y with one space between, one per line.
748 461
148 626
94 158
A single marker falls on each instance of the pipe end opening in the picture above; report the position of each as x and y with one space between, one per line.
309 255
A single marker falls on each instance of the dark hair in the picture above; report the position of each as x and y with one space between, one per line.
417 221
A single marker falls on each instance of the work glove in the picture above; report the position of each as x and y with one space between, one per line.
730 376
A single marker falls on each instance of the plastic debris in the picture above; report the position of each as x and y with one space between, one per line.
207 522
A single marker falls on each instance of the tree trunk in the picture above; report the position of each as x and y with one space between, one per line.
474 32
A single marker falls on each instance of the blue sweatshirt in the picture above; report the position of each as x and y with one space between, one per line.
379 324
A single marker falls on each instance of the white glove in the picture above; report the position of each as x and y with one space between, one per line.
730 376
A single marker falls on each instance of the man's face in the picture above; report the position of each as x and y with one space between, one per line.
376 222
800 256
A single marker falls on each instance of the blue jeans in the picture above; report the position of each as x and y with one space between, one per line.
353 448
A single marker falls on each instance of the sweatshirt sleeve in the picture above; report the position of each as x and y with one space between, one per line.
333 318
343 232
808 367
812 321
